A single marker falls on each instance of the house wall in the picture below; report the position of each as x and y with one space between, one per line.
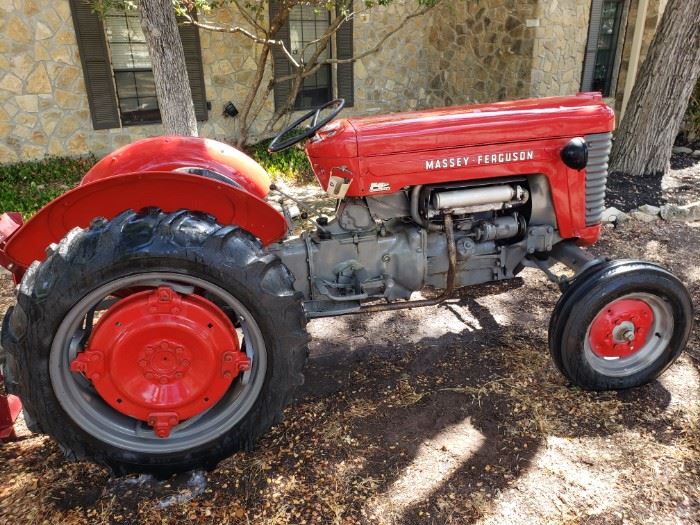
482 51
559 47
43 105
460 52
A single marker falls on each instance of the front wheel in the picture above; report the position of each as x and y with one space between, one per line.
156 342
620 325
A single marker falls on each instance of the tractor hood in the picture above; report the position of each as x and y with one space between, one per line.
464 126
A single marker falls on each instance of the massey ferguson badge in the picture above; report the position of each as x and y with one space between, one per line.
491 158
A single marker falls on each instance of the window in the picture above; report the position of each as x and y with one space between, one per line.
305 24
602 46
133 72
117 69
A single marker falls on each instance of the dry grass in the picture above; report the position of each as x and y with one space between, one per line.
443 416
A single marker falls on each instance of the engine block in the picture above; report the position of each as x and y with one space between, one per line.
374 249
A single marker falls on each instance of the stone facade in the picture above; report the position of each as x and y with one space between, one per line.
460 52
482 50
559 47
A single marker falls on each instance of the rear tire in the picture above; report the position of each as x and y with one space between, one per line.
193 248
589 324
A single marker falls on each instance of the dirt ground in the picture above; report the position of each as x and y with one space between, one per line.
445 415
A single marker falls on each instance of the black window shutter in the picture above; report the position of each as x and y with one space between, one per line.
97 69
346 77
280 62
189 35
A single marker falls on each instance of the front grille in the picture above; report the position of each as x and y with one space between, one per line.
599 146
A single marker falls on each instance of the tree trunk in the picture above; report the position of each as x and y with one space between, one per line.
169 68
660 95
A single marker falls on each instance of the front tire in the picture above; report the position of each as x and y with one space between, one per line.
620 325
197 260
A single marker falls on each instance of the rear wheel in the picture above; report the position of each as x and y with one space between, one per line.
156 342
620 325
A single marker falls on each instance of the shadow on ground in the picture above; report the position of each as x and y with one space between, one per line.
451 414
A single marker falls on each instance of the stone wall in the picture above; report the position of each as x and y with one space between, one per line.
229 62
482 51
460 52
559 47
43 105
396 77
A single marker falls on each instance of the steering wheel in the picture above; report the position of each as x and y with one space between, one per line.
278 144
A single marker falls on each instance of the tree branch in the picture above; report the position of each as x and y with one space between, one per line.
310 68
244 32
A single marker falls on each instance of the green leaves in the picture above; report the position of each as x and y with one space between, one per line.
26 186
291 165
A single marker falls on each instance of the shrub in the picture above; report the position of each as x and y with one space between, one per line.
27 186
290 165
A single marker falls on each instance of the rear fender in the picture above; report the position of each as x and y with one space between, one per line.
110 196
200 156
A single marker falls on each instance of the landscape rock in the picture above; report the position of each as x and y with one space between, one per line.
673 212
682 149
649 209
643 217
612 214
696 153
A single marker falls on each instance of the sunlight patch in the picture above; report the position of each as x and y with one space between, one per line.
560 482
682 381
436 460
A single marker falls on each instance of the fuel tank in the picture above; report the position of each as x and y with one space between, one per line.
382 154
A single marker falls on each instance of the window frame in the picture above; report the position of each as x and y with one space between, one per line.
298 103
98 75
148 116
344 73
592 53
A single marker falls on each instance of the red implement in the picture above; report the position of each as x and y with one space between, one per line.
10 407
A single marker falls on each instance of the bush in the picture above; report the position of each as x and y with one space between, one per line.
290 165
27 186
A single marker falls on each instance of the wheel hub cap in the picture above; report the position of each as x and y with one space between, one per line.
162 358
621 329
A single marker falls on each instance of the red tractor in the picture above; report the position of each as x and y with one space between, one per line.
161 304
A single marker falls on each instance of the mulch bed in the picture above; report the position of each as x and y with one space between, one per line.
627 192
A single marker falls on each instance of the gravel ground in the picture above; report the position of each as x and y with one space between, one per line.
445 415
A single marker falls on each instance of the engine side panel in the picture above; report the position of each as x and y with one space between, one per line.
110 196
567 187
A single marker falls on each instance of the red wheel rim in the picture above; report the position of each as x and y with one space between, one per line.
621 329
162 358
